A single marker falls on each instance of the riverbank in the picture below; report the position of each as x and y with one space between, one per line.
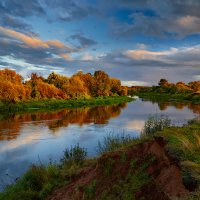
54 104
155 96
162 164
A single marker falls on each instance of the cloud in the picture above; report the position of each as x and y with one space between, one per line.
28 54
30 41
21 8
70 10
143 54
87 57
183 56
141 46
135 83
15 23
176 19
34 42
66 56
83 41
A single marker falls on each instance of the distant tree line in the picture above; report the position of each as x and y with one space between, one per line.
79 86
170 88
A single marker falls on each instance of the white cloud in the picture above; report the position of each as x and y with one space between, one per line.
134 83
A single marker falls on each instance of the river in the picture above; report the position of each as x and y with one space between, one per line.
34 138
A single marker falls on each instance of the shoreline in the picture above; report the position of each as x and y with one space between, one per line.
153 96
54 104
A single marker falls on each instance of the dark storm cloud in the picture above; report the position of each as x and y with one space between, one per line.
83 41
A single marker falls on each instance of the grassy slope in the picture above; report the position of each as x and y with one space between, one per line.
183 142
53 104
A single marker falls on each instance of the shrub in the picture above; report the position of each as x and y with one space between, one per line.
112 142
155 123
75 155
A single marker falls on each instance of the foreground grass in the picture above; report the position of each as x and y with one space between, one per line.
54 104
169 97
183 143
39 181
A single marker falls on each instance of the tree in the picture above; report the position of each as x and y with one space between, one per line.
10 75
102 83
163 82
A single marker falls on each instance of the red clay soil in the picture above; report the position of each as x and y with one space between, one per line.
166 180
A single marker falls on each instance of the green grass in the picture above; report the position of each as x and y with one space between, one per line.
54 104
38 182
179 97
184 144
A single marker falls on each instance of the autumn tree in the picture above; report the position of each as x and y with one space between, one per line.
11 87
115 86
57 80
101 83
163 82
10 75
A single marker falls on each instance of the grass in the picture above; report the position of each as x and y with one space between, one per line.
38 182
184 144
181 97
128 186
155 123
53 104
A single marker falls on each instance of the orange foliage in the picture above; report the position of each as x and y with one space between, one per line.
79 86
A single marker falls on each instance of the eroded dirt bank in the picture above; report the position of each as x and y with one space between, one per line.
144 171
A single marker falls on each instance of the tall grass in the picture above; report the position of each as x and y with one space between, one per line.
39 181
154 124
112 142
74 155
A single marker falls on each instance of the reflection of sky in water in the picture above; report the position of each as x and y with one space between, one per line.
37 142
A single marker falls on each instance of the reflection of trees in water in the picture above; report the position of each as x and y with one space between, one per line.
10 126
195 108
177 105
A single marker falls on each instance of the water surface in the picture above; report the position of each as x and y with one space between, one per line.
32 138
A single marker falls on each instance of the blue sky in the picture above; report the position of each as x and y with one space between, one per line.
137 41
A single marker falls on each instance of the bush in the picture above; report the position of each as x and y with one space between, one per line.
75 155
112 142
154 124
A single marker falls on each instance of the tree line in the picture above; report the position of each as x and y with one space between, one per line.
81 85
164 86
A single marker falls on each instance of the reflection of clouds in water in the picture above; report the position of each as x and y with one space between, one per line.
24 139
135 125
87 134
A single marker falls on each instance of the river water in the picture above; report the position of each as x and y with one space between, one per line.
34 138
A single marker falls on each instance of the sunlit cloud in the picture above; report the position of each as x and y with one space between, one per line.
143 54
32 41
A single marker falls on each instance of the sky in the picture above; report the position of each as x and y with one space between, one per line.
137 41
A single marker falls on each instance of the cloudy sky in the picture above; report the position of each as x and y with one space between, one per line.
137 41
